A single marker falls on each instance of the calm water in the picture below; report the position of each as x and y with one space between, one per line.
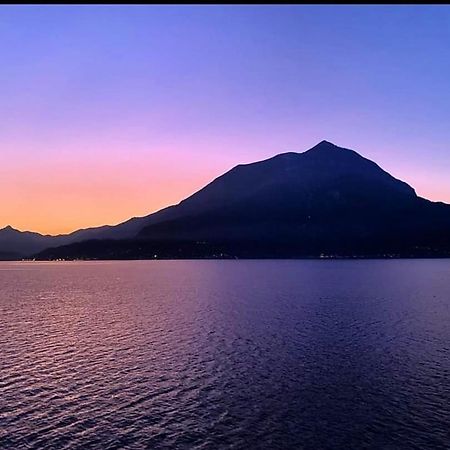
225 354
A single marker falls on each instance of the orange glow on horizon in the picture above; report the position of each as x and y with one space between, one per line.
62 197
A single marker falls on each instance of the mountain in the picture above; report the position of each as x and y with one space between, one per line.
328 200
283 193
15 244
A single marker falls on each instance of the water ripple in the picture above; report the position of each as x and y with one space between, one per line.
225 354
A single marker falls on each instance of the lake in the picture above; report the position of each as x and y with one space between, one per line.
294 354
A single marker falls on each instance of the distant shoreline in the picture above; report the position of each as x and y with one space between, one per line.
303 258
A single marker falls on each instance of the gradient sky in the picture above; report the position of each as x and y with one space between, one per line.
108 112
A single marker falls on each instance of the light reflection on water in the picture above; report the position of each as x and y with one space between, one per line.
225 354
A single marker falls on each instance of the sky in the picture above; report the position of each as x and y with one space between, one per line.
110 112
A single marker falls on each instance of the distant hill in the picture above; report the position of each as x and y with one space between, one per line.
327 201
15 244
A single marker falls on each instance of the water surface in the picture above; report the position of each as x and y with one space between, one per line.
225 354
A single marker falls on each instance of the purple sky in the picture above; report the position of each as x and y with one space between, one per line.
110 112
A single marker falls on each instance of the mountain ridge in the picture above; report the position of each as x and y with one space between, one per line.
294 198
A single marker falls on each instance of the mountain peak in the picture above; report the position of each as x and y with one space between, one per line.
325 142
325 145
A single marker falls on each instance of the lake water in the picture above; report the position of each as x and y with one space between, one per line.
225 354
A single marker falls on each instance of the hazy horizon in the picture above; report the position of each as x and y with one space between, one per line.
111 112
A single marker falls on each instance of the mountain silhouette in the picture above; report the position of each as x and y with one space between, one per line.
325 201
285 195
16 244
